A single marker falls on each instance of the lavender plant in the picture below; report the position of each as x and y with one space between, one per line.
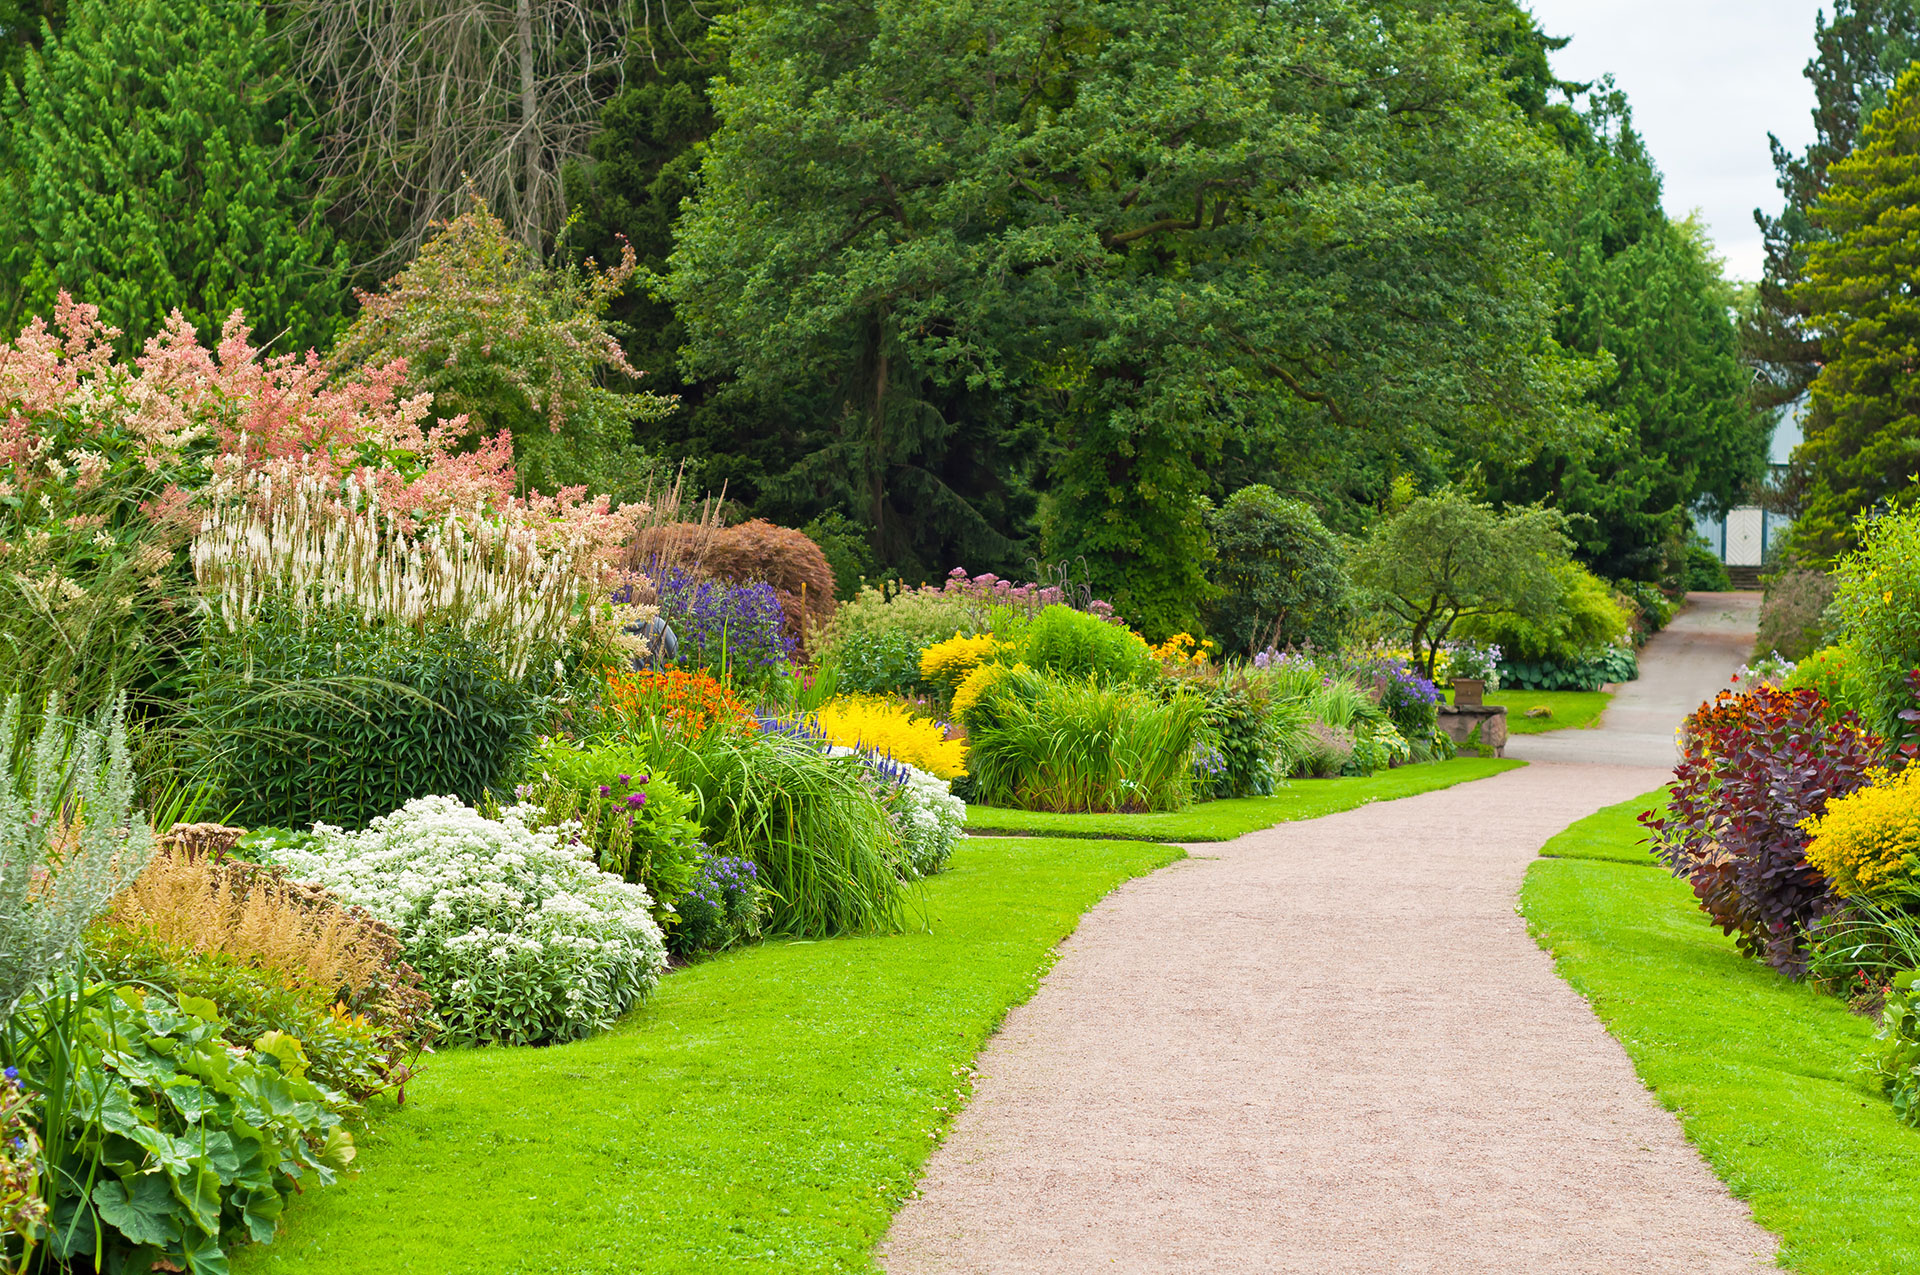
69 840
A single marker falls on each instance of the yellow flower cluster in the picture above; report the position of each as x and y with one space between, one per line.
1870 838
1182 648
877 724
949 661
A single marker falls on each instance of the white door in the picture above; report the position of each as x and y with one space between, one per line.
1746 537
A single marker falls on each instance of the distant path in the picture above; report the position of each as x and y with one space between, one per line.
1331 1047
1687 662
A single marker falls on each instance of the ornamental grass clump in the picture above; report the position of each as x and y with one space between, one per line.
1045 743
520 938
815 825
1756 769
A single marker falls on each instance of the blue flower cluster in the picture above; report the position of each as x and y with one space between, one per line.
1402 683
718 622
724 880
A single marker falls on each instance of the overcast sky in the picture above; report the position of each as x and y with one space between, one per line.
1708 79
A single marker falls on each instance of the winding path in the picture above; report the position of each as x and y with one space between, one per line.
1332 1047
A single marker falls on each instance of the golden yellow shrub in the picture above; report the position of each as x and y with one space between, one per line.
973 686
1869 839
949 661
881 725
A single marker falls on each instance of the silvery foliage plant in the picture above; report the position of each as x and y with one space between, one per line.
69 840
517 933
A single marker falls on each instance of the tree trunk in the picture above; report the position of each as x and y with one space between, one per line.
530 181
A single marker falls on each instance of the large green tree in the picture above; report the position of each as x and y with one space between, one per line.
1150 228
158 163
1644 296
1859 54
1863 434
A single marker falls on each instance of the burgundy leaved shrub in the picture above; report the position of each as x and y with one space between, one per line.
1756 766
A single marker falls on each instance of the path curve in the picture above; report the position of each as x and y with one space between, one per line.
1328 1047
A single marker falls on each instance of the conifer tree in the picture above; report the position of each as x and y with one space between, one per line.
1863 435
158 164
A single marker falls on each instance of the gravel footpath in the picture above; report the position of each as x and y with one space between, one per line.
1332 1047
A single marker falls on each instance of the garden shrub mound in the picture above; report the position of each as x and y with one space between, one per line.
1763 1072
767 1111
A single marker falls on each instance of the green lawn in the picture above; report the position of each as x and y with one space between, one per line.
1760 1069
1572 710
1225 820
765 1111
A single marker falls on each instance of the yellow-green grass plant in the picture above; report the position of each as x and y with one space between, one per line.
1763 1072
766 1111
1045 743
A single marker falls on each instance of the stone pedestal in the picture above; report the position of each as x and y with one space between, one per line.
1490 720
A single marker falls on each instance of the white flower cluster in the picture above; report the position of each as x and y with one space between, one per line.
931 820
518 934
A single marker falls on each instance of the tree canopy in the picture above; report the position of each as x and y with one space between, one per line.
1644 296
1148 228
1446 558
1862 442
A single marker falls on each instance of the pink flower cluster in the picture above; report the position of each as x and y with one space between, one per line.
207 420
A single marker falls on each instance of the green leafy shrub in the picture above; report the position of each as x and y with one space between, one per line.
1613 665
338 723
1046 743
1586 617
181 1148
827 854
1073 645
1652 608
1833 672
1280 573
639 825
874 641
1793 614
1897 1061
518 936
1252 734
1877 602
1704 572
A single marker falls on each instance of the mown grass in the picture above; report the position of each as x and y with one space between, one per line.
1572 710
766 1111
1761 1070
1225 820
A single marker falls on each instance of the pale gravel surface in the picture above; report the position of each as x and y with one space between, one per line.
1332 1047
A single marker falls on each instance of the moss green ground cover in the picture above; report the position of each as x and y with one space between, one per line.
765 1111
1225 820
1760 1069
1572 710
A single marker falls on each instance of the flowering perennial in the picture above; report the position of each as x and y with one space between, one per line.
686 703
1869 840
872 723
518 936
292 544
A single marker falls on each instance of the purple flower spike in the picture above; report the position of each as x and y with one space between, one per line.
636 801
626 781
605 791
